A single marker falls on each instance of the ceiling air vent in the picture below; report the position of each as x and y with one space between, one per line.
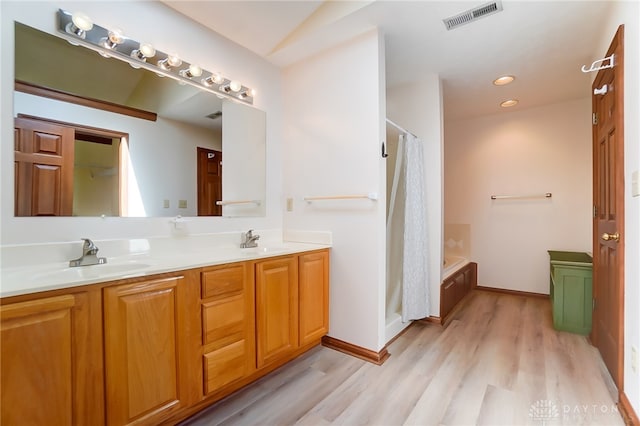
472 14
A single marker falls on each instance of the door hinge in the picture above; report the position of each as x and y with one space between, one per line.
595 211
593 304
594 118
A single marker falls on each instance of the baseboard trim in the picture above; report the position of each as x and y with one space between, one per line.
512 292
368 355
628 413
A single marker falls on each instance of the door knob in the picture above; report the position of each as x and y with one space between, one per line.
615 237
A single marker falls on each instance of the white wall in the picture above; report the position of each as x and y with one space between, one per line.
334 112
418 108
628 13
532 151
169 31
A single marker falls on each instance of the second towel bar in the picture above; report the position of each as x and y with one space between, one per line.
505 197
371 196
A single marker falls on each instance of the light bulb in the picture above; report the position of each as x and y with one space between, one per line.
174 60
81 21
214 78
169 62
147 50
235 86
79 25
114 38
195 70
217 78
144 51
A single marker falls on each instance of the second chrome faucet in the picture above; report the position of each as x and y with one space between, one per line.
248 239
89 255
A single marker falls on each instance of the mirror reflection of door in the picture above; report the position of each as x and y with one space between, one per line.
62 169
43 169
209 182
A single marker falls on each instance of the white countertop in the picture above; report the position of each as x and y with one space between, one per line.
34 278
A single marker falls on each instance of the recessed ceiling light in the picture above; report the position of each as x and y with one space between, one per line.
509 103
505 79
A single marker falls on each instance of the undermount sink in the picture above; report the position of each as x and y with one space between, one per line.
267 250
88 272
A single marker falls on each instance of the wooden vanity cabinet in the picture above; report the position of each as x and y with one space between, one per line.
156 349
276 308
146 350
292 305
313 296
52 361
228 325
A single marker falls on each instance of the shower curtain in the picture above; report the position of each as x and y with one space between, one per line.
407 278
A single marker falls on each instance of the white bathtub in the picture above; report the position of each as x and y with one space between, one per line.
452 264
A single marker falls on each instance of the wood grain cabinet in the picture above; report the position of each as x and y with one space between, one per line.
51 357
154 350
456 286
292 304
145 351
313 296
228 325
276 308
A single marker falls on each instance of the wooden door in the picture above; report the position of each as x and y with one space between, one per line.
43 168
608 223
51 373
209 182
313 287
144 351
228 325
276 309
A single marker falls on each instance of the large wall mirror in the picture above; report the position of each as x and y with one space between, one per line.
156 150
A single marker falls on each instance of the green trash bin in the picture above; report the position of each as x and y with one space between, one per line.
570 290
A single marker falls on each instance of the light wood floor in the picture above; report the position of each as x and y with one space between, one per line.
498 362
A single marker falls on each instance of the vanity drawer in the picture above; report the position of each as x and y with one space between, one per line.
223 281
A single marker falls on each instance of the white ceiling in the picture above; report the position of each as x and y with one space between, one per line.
542 43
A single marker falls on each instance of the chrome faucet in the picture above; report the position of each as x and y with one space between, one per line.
249 240
89 255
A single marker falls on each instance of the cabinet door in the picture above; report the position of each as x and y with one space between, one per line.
228 325
48 365
313 296
276 309
144 323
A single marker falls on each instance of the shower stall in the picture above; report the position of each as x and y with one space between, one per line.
407 292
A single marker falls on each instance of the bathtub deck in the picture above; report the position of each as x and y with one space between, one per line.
498 362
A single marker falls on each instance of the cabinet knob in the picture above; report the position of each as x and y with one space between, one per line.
607 237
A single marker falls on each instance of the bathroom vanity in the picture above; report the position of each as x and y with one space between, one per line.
157 347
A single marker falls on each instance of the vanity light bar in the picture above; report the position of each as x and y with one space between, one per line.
111 43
